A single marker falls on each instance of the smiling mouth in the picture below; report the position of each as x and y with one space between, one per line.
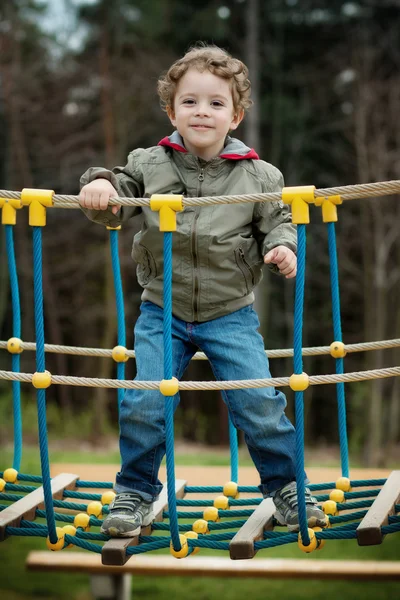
200 127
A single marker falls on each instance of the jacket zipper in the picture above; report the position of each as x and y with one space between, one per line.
200 177
242 256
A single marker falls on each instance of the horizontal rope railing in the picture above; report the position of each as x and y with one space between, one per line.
279 353
347 192
206 385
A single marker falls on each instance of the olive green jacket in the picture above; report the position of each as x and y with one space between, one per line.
217 250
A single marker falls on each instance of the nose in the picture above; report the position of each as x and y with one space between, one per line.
203 109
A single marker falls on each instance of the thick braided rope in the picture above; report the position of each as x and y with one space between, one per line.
279 353
119 300
41 393
339 362
169 400
298 369
15 361
348 192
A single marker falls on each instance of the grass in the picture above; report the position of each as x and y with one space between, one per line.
18 584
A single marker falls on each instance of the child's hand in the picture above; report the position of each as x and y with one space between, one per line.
96 195
284 258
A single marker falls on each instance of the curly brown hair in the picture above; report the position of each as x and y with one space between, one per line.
218 62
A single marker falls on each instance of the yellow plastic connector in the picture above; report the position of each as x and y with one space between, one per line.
82 520
330 507
9 207
221 502
59 544
299 197
69 530
337 350
113 228
119 354
329 208
107 497
299 383
184 551
343 483
200 526
41 380
313 545
337 496
167 205
192 535
2 485
38 201
211 514
10 476
14 345
320 543
95 508
230 489
169 387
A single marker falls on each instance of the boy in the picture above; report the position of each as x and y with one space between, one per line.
218 253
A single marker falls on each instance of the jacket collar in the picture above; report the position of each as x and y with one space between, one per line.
234 149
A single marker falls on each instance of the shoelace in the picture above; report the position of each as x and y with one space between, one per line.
126 502
290 496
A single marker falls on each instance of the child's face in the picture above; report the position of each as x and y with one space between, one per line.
203 112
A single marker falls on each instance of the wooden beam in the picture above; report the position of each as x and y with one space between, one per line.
213 566
26 507
369 532
114 551
242 545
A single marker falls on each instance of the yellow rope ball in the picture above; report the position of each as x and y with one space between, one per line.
230 489
192 535
82 520
107 497
119 354
69 530
41 380
211 514
330 507
221 502
313 542
184 551
14 345
337 350
59 544
95 508
200 526
337 496
10 475
2 484
343 483
320 543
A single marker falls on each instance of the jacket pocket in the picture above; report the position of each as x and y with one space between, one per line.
245 268
146 265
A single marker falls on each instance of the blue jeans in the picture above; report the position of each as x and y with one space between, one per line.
235 350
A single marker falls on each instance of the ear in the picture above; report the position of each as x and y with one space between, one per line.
171 115
237 119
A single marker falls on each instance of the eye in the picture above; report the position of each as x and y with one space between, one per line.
217 103
188 101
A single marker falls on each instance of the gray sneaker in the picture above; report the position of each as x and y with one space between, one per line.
285 501
128 513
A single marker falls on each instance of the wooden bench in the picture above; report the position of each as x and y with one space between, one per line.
114 582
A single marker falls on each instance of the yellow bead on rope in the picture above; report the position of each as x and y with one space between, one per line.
10 475
82 521
221 502
184 551
192 535
107 497
69 530
337 496
230 489
211 514
330 507
95 508
2 484
313 542
343 483
200 526
59 544
320 543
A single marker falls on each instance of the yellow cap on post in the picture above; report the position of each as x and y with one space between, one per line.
9 208
299 197
167 205
169 387
38 201
329 210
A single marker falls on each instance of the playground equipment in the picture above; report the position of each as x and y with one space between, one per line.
241 525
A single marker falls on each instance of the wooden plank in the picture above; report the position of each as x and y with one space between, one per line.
242 545
369 532
26 507
114 550
213 566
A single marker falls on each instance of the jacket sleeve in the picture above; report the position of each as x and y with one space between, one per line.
273 220
127 180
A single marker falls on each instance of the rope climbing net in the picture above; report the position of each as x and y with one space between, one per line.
242 525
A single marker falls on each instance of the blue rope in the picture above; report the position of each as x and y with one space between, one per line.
41 393
169 400
337 331
16 312
298 369
119 300
234 451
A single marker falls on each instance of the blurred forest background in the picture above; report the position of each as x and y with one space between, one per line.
78 89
